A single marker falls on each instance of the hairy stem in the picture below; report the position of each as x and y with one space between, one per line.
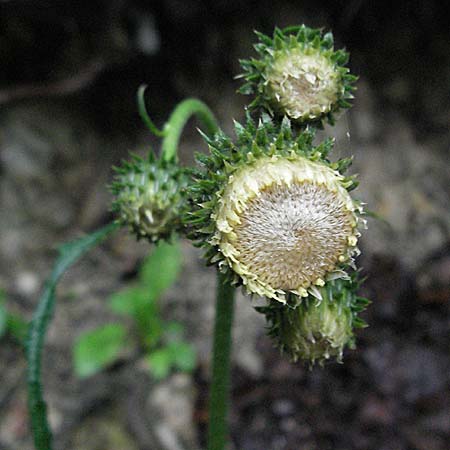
68 255
220 383
178 119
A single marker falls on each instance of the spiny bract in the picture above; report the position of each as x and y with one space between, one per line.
149 197
298 74
273 212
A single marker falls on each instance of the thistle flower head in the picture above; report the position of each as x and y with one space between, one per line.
316 331
274 212
298 74
149 195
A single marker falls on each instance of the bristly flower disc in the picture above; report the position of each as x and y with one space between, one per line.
298 74
149 196
274 212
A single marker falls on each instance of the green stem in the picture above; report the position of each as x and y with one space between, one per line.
220 383
144 114
68 255
178 119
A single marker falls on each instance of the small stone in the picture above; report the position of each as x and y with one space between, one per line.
174 399
27 283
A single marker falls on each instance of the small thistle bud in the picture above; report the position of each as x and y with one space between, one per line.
316 331
149 195
273 212
298 75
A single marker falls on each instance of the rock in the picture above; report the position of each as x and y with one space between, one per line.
27 283
173 399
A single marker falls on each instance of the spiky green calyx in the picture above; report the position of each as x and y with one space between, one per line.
273 212
314 330
149 196
298 74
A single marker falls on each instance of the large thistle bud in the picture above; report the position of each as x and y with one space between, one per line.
316 331
149 196
273 212
298 74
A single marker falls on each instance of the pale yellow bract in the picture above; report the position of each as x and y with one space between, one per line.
284 225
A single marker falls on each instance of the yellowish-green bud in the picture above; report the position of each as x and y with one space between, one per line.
316 331
149 196
298 74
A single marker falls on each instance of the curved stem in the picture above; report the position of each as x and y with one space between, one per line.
144 114
68 255
220 384
178 119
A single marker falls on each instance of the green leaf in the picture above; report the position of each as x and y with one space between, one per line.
11 324
17 327
129 301
69 254
136 301
3 315
173 331
96 349
160 270
160 362
184 356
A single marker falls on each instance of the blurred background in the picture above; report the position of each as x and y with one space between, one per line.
68 79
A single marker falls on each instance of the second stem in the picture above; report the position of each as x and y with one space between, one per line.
220 383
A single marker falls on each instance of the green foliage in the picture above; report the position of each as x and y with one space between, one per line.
162 342
3 315
175 354
165 261
98 348
16 327
11 324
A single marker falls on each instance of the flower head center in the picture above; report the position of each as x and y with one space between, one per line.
306 85
291 235
285 224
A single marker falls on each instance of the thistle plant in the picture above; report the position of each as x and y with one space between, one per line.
270 208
